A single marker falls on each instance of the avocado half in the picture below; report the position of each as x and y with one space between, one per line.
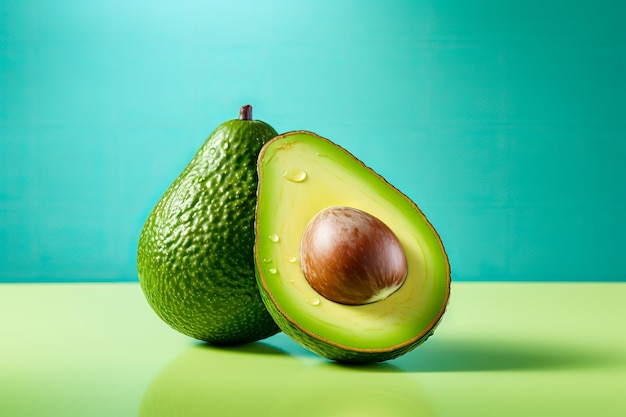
302 174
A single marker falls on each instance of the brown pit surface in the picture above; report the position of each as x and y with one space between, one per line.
351 257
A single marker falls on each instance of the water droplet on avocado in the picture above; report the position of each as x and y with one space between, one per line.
273 271
295 175
292 259
313 301
274 238
267 260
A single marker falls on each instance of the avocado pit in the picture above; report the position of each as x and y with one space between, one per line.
351 257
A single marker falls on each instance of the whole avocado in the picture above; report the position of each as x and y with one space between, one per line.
195 254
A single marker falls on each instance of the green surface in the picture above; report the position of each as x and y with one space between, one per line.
502 350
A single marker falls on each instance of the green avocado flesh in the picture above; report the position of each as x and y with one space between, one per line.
195 254
301 174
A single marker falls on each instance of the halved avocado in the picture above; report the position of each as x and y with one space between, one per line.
302 176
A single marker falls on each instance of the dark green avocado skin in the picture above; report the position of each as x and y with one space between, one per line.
195 254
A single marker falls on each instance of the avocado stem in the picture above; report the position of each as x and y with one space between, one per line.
245 113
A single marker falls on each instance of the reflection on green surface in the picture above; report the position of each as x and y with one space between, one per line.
259 379
70 350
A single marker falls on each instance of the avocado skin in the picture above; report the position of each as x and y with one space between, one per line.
195 254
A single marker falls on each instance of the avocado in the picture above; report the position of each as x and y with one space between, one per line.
195 253
347 265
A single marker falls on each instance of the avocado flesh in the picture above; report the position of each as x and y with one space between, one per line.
195 253
301 174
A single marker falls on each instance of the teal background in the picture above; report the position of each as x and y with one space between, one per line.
504 121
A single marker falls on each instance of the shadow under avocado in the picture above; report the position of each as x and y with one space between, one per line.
254 348
262 379
275 377
469 355
464 355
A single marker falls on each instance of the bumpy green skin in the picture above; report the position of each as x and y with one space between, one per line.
195 255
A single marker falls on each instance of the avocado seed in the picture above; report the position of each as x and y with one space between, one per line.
351 257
